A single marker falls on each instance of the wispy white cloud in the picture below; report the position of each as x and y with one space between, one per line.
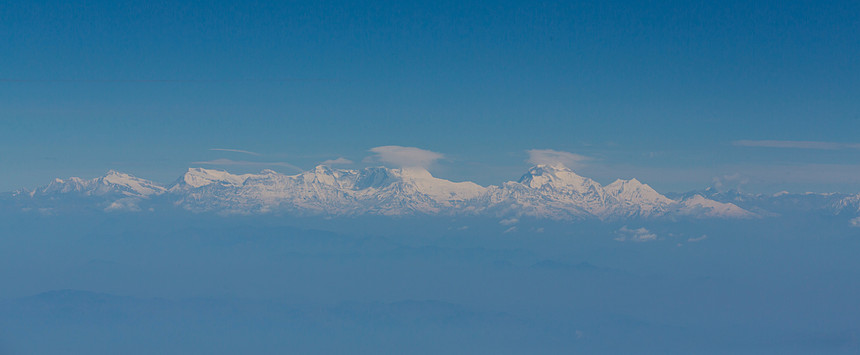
406 157
510 230
698 239
235 151
338 161
635 235
123 204
509 221
855 222
229 162
556 157
796 144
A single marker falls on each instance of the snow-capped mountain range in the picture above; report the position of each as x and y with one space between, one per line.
114 183
545 191
783 203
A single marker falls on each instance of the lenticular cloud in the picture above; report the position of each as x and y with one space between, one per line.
555 157
406 157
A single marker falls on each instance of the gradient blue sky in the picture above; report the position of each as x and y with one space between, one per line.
675 93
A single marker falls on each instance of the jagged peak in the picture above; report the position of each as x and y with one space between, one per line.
545 191
112 172
375 177
113 176
701 206
323 168
66 185
636 192
112 182
193 170
556 175
554 166
120 178
548 169
198 177
327 170
622 182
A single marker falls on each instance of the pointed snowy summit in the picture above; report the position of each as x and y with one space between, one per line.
638 199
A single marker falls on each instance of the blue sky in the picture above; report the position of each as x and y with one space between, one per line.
677 94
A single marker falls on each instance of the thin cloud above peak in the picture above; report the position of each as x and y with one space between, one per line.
556 157
796 144
230 162
406 157
235 151
338 161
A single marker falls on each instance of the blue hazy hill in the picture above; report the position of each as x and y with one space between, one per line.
145 283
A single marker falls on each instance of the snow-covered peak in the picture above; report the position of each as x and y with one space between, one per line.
636 198
557 176
416 173
325 175
851 203
545 191
436 188
63 186
620 185
113 182
131 185
197 177
634 190
410 190
115 173
701 207
376 178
